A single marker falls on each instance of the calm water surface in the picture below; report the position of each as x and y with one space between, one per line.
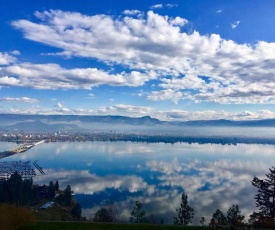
213 176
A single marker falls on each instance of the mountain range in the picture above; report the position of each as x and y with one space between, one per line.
77 123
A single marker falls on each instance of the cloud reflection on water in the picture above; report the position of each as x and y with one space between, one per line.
213 176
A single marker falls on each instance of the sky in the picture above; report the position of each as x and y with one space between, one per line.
172 60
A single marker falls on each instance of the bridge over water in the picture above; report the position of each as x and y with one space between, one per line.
19 149
24 169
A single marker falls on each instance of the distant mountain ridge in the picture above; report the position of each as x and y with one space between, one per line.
146 120
223 122
40 126
70 122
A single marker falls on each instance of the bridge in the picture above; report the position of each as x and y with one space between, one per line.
19 149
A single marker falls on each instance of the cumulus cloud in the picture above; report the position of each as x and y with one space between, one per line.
128 110
6 58
164 95
235 24
132 12
164 167
53 76
140 111
184 115
178 21
204 181
8 81
222 70
84 182
62 109
151 46
219 11
19 99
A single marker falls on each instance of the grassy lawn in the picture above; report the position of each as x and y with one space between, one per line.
93 226
54 213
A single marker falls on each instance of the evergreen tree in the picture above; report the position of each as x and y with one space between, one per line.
234 217
77 211
51 190
185 212
6 194
138 215
265 198
56 186
218 219
27 193
15 184
68 196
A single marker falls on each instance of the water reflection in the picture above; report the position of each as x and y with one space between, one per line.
213 176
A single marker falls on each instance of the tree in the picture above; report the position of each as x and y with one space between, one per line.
109 213
265 198
234 217
56 186
138 215
218 219
102 215
27 191
77 211
68 196
15 184
185 212
202 221
51 190
114 211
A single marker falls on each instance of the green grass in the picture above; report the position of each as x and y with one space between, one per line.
55 213
94 226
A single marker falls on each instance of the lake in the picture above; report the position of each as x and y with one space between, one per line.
213 176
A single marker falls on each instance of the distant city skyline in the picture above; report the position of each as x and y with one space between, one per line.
171 60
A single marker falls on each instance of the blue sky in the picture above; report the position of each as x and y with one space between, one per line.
172 60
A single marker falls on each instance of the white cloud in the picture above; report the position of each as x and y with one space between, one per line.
8 81
132 12
171 5
204 181
59 105
6 59
19 99
40 76
126 110
165 167
184 115
15 52
219 11
157 6
178 21
84 182
140 111
235 24
165 95
222 70
62 109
